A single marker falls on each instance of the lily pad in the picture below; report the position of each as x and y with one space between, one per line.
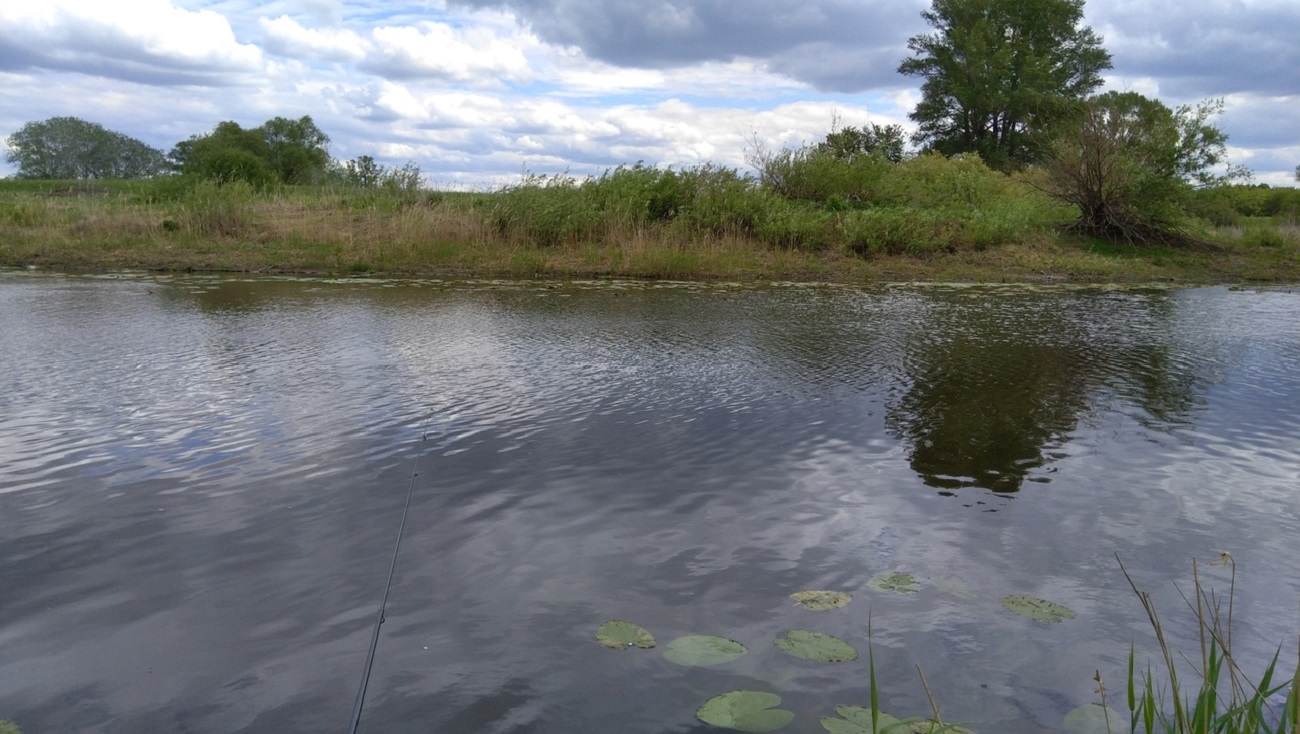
897 582
1037 609
621 635
816 646
9 727
1093 718
856 720
820 601
703 650
745 711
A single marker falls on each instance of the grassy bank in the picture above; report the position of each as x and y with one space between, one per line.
926 218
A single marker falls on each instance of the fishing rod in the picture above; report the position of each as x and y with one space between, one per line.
392 568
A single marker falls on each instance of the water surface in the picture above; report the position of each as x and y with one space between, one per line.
203 478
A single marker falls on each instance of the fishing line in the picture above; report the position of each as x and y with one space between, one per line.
379 618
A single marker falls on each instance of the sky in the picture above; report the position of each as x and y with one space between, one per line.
478 93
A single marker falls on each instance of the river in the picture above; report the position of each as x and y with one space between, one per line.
202 480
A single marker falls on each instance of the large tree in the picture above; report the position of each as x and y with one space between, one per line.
297 149
998 71
1129 164
72 148
279 150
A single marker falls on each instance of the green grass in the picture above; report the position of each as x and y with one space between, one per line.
810 218
1221 698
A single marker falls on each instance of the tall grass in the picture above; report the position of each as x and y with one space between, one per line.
1222 699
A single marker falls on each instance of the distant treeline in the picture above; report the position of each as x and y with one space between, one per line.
279 151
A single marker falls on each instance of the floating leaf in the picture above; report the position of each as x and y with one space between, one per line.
745 711
816 646
857 720
820 601
620 635
897 582
9 727
1093 718
703 650
929 726
1037 609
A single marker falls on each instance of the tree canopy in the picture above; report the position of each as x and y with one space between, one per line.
870 139
999 71
279 150
1129 164
72 148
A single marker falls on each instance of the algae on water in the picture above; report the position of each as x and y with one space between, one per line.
1037 609
897 582
820 601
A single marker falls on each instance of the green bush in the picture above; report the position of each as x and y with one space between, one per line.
795 227
813 174
547 210
720 202
938 182
1263 234
895 231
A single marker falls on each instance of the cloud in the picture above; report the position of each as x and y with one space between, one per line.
473 90
439 51
285 37
148 41
818 42
1219 48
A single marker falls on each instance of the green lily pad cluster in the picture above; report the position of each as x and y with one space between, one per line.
756 711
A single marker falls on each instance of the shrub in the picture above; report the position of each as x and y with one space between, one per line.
795 227
895 231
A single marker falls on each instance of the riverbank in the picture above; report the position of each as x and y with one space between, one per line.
545 231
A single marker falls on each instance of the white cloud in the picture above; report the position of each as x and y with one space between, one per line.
146 40
439 51
473 90
286 37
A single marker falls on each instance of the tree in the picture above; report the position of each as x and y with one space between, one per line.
229 153
279 150
872 139
72 148
998 71
364 172
1130 164
296 149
